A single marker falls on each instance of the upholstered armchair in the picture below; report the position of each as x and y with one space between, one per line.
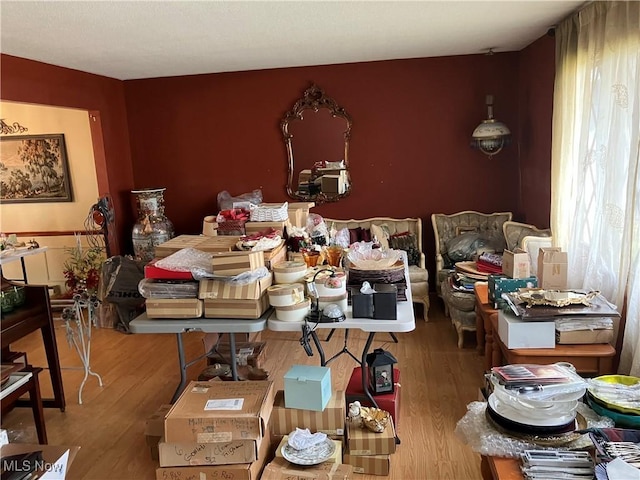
460 305
515 232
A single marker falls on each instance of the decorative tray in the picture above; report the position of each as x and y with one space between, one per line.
555 298
313 455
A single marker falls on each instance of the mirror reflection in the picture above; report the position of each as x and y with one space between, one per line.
316 133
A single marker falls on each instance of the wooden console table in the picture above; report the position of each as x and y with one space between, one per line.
35 315
484 330
590 359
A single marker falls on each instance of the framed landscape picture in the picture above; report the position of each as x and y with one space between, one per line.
34 169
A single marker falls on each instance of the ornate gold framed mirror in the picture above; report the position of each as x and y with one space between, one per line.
316 134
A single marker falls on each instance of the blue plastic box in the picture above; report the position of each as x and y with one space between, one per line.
307 387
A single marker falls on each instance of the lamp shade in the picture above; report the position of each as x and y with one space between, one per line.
491 136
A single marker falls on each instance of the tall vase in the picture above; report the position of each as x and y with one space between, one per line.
152 227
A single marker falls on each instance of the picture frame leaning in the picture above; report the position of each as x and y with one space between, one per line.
34 169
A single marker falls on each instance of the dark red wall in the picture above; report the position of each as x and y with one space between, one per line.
537 72
39 83
409 154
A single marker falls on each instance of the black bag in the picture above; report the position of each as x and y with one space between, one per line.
120 279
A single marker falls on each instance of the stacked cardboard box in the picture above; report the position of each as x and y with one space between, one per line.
226 300
216 429
369 452
330 420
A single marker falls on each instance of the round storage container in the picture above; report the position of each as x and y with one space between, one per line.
294 313
289 272
340 300
331 286
285 294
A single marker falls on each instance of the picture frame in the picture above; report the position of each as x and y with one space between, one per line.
34 169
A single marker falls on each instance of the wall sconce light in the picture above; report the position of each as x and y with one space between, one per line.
490 136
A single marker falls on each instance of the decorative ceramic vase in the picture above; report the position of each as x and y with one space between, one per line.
152 227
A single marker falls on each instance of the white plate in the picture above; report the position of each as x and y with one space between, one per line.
533 409
310 456
510 413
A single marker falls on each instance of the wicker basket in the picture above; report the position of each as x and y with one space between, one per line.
231 227
388 275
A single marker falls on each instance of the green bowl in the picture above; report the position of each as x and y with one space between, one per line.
20 295
610 404
7 300
621 419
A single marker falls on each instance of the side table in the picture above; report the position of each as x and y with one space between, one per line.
484 329
11 395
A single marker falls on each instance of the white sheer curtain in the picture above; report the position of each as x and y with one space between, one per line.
595 207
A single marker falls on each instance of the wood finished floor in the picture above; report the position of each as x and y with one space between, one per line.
140 372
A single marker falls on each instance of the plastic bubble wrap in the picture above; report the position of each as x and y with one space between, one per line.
475 430
186 260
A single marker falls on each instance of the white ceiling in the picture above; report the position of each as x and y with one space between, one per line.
145 39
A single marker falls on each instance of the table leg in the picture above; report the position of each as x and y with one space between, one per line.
234 366
36 407
51 352
183 369
363 365
479 331
24 270
318 345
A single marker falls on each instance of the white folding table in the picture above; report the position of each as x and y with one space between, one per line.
143 324
11 255
405 322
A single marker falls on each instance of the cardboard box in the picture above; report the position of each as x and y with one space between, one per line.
331 420
234 263
247 353
240 471
362 441
388 401
220 412
336 458
210 226
280 469
369 464
307 387
236 308
154 429
218 453
257 227
275 256
516 264
516 333
499 284
333 184
304 176
552 268
298 213
200 242
578 337
219 290
174 307
53 457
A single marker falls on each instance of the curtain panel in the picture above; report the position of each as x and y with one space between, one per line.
595 210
